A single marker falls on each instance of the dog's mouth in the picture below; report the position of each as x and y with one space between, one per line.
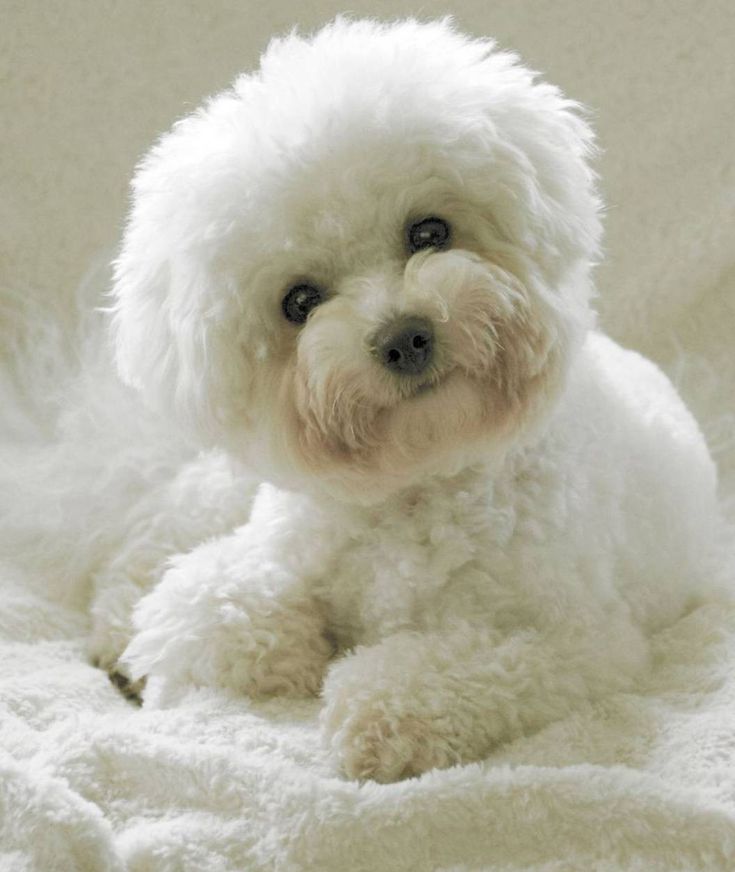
425 387
414 387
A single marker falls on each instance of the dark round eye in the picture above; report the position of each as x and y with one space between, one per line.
299 301
428 233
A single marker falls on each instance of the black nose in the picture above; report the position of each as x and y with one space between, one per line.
405 346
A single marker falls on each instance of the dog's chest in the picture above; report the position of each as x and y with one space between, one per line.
398 566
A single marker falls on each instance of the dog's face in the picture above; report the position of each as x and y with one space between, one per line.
367 263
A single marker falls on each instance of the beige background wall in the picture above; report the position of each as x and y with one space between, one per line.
86 85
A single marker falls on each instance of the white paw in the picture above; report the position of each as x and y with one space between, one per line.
119 586
198 628
370 741
383 728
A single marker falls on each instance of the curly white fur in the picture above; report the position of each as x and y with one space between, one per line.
454 562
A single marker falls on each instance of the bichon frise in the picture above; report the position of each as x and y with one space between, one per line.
365 271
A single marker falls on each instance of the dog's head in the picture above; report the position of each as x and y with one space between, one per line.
367 262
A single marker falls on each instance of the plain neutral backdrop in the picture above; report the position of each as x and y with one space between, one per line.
87 85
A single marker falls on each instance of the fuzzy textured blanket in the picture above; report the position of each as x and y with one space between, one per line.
645 781
642 781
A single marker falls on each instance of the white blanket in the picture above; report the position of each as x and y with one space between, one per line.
642 781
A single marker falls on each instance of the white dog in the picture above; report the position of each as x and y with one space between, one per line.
365 271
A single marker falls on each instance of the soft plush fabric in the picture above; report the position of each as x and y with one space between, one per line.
643 781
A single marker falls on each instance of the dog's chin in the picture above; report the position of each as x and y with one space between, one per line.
441 426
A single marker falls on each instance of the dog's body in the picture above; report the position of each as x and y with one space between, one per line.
484 605
478 508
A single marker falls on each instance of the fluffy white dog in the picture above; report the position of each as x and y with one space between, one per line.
365 271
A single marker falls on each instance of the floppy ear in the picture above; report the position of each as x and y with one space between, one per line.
177 307
159 330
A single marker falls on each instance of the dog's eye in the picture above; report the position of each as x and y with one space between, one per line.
428 233
299 301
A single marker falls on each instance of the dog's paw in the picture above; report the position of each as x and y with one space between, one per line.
196 629
274 650
381 729
371 742
370 739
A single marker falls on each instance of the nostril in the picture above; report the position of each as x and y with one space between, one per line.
405 346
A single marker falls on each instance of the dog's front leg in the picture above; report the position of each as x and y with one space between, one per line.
418 701
238 612
207 497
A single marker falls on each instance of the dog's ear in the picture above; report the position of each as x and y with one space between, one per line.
159 329
174 308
